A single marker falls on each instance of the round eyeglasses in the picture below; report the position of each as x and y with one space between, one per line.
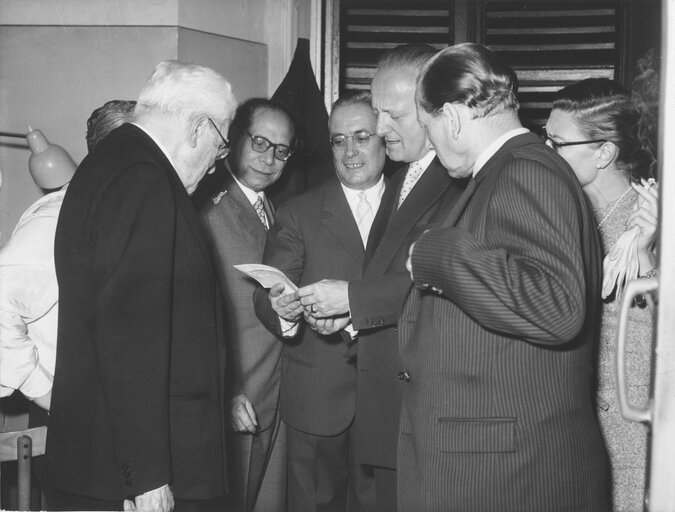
557 145
260 144
224 149
361 139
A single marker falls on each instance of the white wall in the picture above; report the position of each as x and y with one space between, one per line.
60 59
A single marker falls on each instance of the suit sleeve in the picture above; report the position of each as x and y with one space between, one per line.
377 301
525 276
284 250
134 267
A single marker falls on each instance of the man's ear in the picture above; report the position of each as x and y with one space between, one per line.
452 117
196 127
607 154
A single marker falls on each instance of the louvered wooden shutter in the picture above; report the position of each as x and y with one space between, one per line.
551 44
370 27
548 43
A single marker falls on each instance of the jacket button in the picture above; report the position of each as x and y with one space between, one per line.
404 376
128 483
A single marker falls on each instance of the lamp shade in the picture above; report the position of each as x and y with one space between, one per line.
50 165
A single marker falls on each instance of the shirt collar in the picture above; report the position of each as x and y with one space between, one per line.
373 194
250 194
159 145
489 151
426 160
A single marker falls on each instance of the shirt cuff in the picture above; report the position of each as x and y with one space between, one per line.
350 329
288 329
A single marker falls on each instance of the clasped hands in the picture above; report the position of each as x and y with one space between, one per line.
324 305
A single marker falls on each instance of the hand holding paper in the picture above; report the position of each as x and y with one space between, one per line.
286 305
267 276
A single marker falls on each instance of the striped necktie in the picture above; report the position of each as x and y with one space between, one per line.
260 210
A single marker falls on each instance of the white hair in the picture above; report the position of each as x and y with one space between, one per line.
183 89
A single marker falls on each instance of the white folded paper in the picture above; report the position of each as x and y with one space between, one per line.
267 276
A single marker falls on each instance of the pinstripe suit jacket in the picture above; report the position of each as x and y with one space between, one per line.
498 339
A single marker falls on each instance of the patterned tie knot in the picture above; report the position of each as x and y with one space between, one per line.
260 210
411 177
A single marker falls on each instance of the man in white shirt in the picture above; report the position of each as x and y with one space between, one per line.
29 292
418 191
324 234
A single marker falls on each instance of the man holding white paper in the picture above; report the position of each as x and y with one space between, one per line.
323 234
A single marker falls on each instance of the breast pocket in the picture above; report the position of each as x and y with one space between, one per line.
477 435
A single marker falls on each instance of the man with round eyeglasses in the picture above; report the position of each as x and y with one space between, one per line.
236 222
325 234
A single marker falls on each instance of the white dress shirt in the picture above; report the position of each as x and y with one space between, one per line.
29 301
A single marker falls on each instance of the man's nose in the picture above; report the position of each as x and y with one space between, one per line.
352 149
382 126
267 156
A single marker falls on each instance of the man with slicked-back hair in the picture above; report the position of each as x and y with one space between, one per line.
497 337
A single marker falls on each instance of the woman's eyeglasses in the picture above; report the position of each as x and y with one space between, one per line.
557 145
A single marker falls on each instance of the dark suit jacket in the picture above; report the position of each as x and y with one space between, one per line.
315 237
498 343
376 301
137 398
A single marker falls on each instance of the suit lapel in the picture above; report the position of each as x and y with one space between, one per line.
338 219
243 211
381 219
431 185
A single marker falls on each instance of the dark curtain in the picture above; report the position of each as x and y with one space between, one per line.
312 163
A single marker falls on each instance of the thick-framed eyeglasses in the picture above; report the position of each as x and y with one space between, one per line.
260 144
360 138
557 145
223 150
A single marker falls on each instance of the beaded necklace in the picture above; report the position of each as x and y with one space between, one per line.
614 207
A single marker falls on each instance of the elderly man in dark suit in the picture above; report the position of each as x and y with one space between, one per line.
497 337
323 234
262 135
419 191
137 406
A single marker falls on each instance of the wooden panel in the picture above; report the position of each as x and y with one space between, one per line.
551 44
371 27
